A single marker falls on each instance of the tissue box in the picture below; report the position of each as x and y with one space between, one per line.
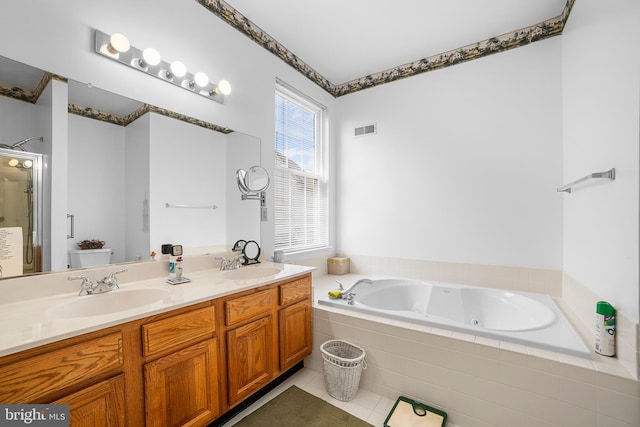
338 265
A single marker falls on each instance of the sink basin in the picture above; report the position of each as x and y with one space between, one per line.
107 303
246 273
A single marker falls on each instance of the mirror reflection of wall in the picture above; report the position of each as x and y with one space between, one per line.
119 175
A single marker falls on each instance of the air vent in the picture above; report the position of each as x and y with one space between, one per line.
366 130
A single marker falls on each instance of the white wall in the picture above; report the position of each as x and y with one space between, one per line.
601 88
96 182
464 166
52 124
187 167
136 191
243 221
17 121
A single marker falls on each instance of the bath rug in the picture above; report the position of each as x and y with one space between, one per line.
296 408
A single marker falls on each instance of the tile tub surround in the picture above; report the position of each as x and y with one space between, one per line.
479 381
583 302
490 276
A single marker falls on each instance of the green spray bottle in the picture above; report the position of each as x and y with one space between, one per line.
605 342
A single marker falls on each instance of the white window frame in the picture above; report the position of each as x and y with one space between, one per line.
321 240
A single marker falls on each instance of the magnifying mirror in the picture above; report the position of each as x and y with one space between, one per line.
257 179
253 181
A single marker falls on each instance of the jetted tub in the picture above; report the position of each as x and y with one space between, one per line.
520 317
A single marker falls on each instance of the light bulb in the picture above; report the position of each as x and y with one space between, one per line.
13 162
201 79
151 56
119 42
178 69
224 87
27 164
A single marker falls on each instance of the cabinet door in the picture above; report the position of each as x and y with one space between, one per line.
181 389
249 361
295 334
101 405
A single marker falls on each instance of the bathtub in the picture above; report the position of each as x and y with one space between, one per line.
520 317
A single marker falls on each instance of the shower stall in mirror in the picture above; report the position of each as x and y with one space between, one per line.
20 212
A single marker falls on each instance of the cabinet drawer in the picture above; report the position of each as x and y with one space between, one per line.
177 330
297 290
246 307
35 378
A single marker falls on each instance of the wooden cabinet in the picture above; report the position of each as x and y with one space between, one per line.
101 405
249 362
182 388
181 368
268 332
295 334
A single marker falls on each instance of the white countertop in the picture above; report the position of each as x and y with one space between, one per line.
28 323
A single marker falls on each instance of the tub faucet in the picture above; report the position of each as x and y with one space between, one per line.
348 293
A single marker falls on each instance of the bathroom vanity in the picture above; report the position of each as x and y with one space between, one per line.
186 363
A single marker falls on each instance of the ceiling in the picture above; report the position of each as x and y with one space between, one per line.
347 40
349 45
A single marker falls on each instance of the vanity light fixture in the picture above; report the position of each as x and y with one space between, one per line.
117 47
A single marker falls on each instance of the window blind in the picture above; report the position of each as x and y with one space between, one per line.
300 197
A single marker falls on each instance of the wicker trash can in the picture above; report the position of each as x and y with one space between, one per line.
343 364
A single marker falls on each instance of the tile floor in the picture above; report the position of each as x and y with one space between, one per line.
368 406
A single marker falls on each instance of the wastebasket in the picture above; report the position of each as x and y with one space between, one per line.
343 364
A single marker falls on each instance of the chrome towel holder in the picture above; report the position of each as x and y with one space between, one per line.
171 205
610 174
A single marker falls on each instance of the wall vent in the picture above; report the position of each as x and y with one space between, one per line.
366 130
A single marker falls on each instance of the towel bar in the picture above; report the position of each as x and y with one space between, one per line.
169 205
610 174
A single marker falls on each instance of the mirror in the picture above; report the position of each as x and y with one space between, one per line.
257 179
254 181
136 176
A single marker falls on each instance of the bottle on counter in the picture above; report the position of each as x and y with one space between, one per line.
178 268
172 267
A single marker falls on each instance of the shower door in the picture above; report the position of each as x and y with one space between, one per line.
20 213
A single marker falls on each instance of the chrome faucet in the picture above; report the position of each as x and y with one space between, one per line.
348 293
106 284
232 263
86 287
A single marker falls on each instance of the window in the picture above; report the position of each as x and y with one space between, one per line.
300 188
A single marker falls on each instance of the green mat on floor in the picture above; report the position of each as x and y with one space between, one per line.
297 408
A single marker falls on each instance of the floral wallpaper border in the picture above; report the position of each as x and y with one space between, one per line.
26 95
31 96
93 113
522 37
